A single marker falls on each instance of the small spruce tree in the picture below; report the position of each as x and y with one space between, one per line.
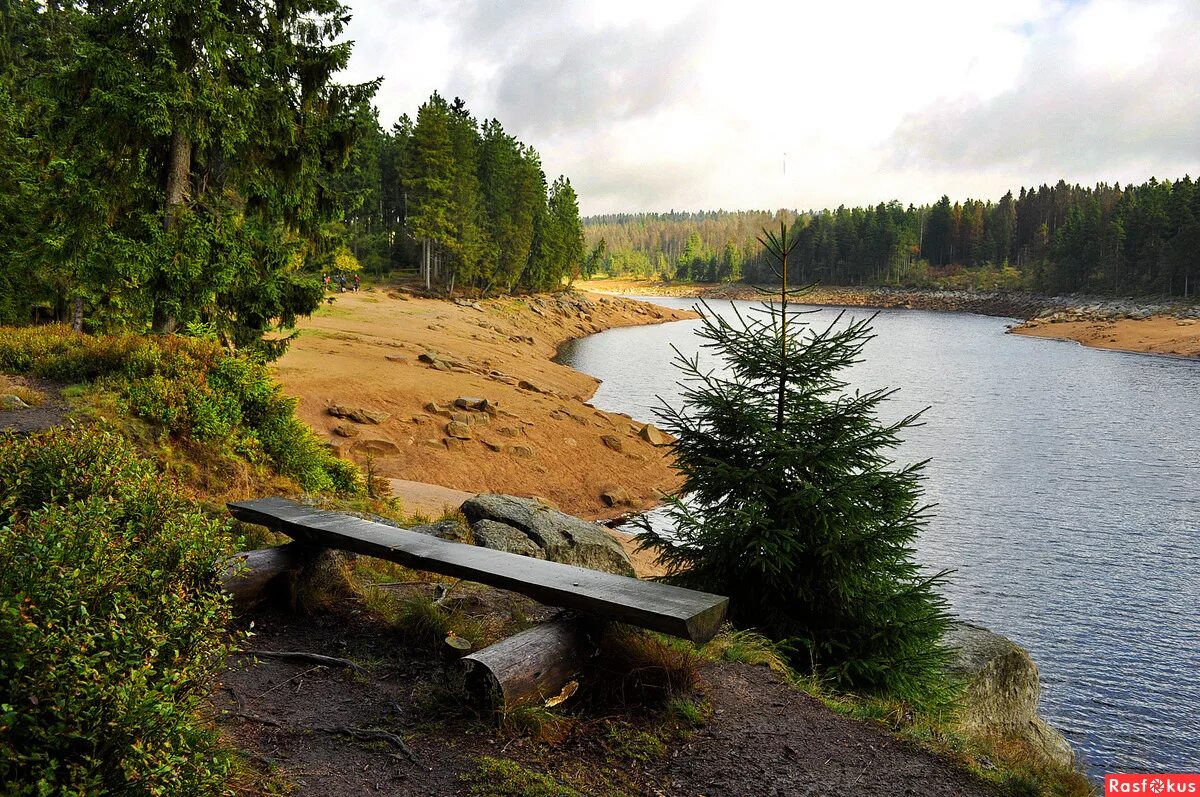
791 505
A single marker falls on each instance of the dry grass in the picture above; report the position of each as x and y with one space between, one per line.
17 386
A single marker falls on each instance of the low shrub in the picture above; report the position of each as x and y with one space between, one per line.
190 389
111 622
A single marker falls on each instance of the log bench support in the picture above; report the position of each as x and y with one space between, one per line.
533 665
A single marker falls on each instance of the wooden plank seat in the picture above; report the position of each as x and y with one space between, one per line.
671 610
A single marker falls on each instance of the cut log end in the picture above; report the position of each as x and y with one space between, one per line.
530 667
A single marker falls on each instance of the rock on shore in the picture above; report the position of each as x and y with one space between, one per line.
526 526
1001 691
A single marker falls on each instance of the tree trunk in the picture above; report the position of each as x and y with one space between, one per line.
77 314
532 666
179 169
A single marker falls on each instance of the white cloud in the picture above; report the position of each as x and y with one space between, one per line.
653 105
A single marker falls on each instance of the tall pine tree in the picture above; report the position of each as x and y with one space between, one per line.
792 506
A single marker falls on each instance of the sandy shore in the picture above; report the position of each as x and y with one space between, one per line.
1162 334
371 351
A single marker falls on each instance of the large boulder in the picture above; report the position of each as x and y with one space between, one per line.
503 537
560 537
1001 689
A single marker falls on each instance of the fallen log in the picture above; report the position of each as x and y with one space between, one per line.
532 666
250 575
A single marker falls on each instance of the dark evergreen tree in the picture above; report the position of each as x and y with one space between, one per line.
792 506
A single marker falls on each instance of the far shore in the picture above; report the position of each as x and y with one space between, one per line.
1141 325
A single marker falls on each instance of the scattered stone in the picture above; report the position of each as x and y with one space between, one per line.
561 538
476 404
493 446
503 378
434 444
436 409
612 441
358 414
460 430
379 448
452 530
503 537
420 420
525 384
507 431
617 496
345 430
11 402
520 450
396 358
653 435
570 442
452 444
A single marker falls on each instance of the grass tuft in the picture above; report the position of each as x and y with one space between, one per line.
501 777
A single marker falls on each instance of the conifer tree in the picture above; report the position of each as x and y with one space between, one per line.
792 506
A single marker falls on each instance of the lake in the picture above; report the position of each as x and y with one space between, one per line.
1067 482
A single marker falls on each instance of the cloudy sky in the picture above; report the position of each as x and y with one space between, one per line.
652 105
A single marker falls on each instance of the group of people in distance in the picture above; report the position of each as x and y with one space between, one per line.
343 282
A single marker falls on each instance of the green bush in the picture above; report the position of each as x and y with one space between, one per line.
111 622
192 390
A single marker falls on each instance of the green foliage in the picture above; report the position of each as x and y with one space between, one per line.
501 777
190 389
688 713
111 622
170 173
791 506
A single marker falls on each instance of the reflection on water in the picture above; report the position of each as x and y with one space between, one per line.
1068 488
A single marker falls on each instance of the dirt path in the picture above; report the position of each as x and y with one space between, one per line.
764 737
409 358
52 410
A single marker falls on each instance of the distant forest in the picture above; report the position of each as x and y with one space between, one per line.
1104 240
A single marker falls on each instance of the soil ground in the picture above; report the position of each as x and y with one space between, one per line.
365 351
763 738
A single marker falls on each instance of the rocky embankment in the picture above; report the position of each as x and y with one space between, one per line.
1137 324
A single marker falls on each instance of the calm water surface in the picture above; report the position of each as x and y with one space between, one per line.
1068 488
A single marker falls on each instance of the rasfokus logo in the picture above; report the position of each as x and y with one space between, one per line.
1152 784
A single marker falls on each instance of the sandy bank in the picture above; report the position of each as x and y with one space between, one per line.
1162 334
369 351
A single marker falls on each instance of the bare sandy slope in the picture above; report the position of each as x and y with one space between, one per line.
365 352
1157 335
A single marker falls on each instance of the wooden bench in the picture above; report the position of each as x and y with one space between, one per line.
536 662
